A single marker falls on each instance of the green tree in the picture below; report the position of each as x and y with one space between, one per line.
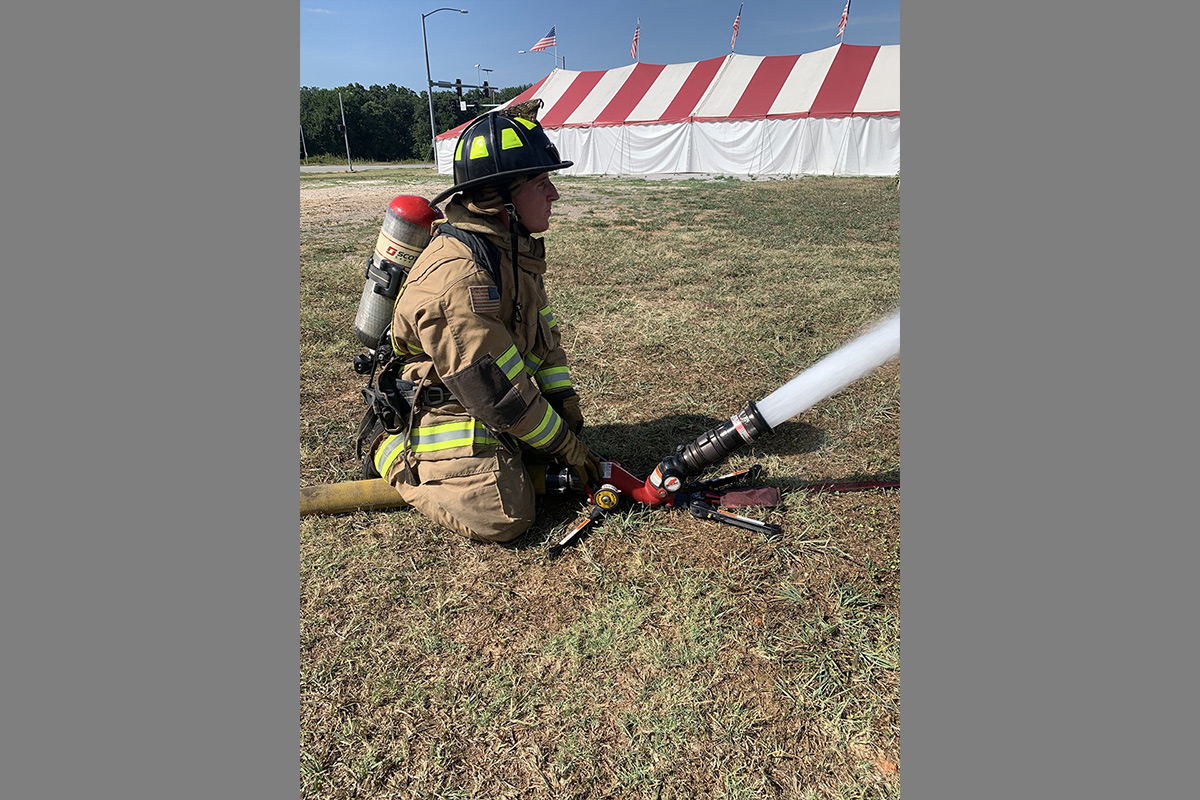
384 123
319 117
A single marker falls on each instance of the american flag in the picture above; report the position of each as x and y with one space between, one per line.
636 32
546 41
485 299
845 16
736 20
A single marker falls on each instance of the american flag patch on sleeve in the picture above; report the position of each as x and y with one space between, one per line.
485 299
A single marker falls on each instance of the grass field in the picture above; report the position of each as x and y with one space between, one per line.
664 657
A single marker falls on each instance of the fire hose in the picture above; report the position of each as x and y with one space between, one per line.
702 499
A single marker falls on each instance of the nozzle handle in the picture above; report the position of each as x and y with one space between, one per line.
594 519
702 510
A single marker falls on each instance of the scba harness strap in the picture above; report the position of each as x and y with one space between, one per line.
486 254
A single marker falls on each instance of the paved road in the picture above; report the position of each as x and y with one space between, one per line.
673 176
363 167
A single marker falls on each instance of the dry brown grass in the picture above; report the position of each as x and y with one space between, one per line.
664 657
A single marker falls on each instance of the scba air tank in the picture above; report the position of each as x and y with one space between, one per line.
407 229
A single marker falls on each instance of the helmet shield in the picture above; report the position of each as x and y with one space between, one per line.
500 146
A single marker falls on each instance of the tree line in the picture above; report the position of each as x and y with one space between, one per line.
385 123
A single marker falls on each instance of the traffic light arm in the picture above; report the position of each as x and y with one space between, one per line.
460 85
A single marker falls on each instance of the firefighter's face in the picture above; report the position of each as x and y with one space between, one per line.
533 201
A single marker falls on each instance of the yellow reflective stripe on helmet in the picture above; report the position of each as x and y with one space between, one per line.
553 378
510 363
431 439
458 150
545 432
478 148
525 122
532 362
548 315
509 140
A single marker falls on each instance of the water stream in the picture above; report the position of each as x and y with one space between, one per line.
834 372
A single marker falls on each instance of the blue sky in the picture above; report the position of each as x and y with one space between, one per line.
379 41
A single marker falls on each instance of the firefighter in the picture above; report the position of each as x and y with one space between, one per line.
479 342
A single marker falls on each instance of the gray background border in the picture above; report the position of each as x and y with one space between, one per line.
149 579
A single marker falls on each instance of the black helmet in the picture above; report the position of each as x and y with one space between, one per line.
499 146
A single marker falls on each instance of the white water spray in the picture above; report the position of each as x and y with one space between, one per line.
833 372
841 367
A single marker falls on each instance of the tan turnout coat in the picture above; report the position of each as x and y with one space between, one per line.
455 328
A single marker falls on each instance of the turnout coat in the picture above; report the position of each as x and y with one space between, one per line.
496 349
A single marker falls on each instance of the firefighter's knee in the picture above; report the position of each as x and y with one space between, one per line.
488 498
506 533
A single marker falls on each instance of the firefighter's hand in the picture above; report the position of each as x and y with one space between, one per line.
571 414
579 459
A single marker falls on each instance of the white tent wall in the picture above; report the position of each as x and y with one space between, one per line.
877 142
624 149
804 146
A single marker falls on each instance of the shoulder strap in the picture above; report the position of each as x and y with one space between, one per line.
483 251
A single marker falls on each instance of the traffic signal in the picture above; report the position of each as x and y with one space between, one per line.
458 87
487 92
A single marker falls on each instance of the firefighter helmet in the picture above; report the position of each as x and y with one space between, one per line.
500 146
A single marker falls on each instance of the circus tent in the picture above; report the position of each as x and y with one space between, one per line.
831 112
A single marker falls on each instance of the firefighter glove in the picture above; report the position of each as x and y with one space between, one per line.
579 459
571 414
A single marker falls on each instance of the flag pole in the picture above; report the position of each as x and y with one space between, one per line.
844 23
736 21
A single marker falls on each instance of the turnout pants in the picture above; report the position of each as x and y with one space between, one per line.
487 497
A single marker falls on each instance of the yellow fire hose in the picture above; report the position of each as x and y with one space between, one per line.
365 495
338 498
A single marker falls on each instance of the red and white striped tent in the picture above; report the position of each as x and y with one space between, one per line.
832 112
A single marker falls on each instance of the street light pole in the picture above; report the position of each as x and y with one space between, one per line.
345 132
555 56
429 79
